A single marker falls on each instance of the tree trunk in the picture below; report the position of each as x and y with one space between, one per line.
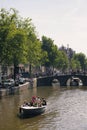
30 70
16 71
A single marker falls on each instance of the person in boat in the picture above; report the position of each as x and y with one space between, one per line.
36 101
26 103
33 101
39 103
44 101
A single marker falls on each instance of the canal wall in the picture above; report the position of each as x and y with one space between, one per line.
13 90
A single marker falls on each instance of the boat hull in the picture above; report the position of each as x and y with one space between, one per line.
31 111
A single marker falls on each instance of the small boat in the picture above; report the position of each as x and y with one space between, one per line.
76 82
55 82
37 106
30 111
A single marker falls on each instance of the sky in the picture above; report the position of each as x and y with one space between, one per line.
64 21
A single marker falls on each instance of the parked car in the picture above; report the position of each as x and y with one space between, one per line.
21 80
16 82
8 83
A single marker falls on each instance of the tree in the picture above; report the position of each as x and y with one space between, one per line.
51 49
33 44
33 53
81 58
75 65
18 40
12 39
62 61
56 59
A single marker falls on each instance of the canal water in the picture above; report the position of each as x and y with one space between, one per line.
66 110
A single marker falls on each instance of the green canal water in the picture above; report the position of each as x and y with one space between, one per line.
66 110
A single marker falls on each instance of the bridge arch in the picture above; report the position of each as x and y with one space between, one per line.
55 82
47 81
74 81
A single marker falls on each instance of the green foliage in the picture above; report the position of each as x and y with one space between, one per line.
62 61
12 38
19 43
56 59
51 49
81 58
75 64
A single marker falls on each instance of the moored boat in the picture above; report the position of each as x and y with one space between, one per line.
55 82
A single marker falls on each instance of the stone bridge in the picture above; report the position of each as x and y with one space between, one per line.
63 79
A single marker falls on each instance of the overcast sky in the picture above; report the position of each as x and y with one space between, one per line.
64 21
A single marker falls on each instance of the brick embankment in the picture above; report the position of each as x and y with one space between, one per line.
16 89
13 90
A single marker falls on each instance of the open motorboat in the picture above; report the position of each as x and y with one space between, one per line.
30 110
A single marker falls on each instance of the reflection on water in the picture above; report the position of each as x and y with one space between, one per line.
66 110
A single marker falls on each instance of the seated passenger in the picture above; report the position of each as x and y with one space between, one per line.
25 103
39 103
44 101
34 101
